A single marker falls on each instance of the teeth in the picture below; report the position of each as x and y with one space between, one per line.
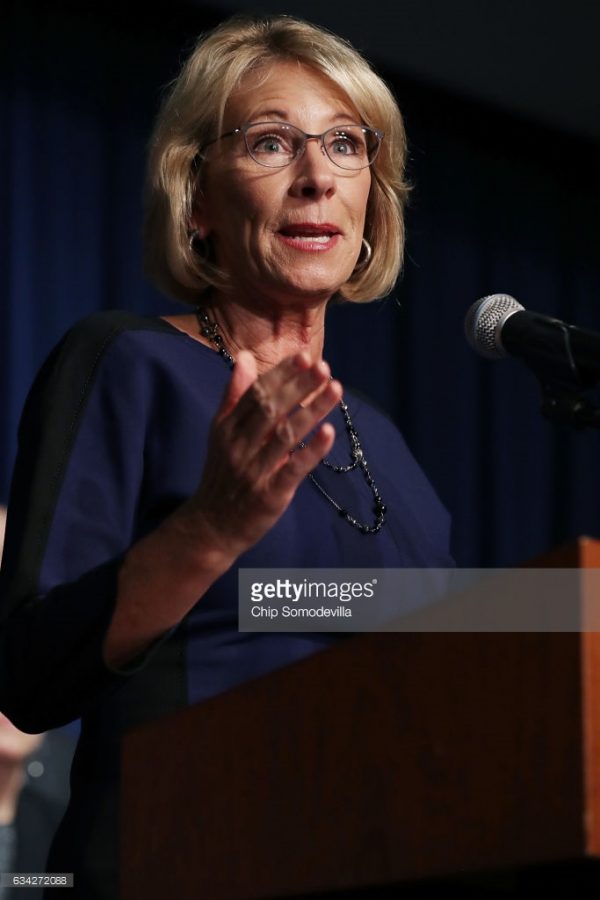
320 238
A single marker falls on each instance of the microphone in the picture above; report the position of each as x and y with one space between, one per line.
498 325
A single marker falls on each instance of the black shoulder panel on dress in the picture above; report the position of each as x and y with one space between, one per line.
49 424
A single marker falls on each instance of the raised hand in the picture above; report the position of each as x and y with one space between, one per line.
254 464
253 468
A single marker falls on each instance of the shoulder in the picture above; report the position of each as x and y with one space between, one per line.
93 363
87 342
106 344
109 324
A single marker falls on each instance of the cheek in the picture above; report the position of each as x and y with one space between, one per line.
245 211
355 203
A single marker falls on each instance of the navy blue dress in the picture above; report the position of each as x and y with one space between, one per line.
113 439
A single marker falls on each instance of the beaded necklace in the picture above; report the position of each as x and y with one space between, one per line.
210 330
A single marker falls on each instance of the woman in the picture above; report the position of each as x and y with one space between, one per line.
275 184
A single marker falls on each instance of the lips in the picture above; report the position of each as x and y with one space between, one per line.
310 235
309 229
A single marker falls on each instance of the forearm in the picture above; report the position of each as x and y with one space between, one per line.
250 477
161 578
64 649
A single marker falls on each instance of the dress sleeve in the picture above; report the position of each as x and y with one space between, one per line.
71 519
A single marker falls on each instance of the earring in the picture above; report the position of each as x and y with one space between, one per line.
364 262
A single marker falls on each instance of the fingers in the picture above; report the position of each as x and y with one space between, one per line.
254 464
271 399
291 430
304 461
262 420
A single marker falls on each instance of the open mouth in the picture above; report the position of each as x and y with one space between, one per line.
309 234
321 238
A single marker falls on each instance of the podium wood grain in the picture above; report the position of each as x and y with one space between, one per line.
386 757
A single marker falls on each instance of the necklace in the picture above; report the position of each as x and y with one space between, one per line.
210 330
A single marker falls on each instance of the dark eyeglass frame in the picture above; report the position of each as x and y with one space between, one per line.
243 129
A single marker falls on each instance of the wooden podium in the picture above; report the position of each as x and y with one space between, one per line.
387 757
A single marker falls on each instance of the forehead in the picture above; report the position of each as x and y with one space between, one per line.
288 90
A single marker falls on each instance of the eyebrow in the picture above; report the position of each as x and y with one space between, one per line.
280 116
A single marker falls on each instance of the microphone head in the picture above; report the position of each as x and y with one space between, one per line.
484 322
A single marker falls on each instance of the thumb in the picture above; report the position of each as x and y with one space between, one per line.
244 374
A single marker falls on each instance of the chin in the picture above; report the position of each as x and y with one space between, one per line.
313 294
318 286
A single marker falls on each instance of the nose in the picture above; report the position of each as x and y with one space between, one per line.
313 172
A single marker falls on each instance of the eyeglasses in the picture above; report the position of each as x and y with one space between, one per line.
277 144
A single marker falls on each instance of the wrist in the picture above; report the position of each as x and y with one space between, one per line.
199 544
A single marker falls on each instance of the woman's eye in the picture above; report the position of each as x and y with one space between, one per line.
344 146
347 144
270 143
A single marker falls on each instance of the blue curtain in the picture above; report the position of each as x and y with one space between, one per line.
498 205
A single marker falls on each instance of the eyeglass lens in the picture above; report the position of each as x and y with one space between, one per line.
276 144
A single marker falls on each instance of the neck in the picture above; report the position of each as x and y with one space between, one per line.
11 781
271 337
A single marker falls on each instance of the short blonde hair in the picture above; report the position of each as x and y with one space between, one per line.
192 115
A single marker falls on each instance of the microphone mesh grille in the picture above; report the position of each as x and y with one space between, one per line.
484 321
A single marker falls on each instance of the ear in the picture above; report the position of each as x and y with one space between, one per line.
199 224
199 221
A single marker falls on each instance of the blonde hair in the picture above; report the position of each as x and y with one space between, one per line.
192 115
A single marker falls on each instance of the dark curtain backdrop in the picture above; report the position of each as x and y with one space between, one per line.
498 205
